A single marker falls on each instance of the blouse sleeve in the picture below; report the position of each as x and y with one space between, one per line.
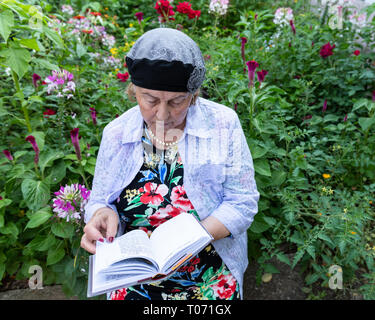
240 199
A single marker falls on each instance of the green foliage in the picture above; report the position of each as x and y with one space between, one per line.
315 170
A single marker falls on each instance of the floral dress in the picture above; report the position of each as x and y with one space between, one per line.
155 195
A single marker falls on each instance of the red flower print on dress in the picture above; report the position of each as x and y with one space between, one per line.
119 294
226 286
163 214
154 193
190 266
179 198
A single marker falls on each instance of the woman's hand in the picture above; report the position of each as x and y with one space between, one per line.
103 224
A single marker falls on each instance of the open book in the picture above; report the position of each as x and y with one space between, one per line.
135 258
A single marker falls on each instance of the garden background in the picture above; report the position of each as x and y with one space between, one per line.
301 80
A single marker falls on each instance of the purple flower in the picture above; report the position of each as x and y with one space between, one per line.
373 96
251 66
61 82
346 117
261 75
31 139
75 141
8 155
36 78
70 201
93 115
324 106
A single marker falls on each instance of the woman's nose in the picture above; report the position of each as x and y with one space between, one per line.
162 113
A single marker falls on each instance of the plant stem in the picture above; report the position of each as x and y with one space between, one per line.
21 96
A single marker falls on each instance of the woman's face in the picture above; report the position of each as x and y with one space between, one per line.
163 110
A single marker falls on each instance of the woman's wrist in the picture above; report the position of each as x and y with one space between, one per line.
215 228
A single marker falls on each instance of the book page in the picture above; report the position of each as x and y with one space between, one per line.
133 244
175 234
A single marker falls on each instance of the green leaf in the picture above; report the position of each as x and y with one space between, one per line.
259 226
258 151
63 229
81 50
46 159
30 43
283 258
262 167
10 228
53 36
6 23
366 123
278 178
35 193
270 268
311 251
55 255
39 217
39 138
42 63
58 172
17 59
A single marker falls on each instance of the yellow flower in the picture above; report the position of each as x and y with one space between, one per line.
352 232
131 25
345 210
319 213
117 70
330 191
114 51
326 176
370 202
324 189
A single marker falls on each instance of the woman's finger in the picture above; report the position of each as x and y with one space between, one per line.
88 245
93 233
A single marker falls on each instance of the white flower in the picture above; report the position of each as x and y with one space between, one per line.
283 16
218 6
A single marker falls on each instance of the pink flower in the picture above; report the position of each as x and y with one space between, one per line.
75 141
251 66
179 199
8 155
31 139
346 117
324 106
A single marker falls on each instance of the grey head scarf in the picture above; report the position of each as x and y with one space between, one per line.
166 59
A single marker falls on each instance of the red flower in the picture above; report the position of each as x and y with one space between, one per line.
49 112
95 14
119 294
31 139
75 140
79 17
154 193
8 155
324 106
184 7
261 75
357 52
164 9
93 115
123 76
373 96
226 286
179 198
326 50
139 16
36 78
243 42
251 66
88 31
293 27
163 214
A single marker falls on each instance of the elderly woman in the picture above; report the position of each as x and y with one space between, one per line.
175 152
